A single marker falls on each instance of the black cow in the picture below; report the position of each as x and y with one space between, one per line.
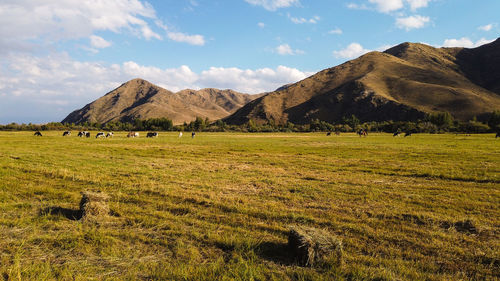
328 134
362 133
87 134
38 134
67 133
83 134
100 135
396 134
151 135
407 134
109 135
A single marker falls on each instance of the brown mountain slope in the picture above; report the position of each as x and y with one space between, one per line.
139 99
403 83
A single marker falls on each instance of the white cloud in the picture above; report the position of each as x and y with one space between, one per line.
384 48
417 4
197 40
465 42
483 41
273 5
412 22
251 81
62 84
337 31
261 24
99 42
73 19
148 33
285 50
46 22
355 6
312 20
386 6
487 27
354 50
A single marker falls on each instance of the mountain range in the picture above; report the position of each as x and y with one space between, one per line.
405 82
140 99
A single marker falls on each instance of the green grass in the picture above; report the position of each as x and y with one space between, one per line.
218 207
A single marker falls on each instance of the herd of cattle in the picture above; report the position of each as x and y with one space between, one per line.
82 134
86 134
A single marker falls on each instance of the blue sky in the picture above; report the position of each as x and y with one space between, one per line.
58 55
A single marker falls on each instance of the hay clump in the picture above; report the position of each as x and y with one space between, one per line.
315 247
94 206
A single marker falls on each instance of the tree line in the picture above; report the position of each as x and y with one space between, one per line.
434 123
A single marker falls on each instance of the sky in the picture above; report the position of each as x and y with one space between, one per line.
58 55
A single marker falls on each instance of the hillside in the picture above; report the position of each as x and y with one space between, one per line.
403 83
140 99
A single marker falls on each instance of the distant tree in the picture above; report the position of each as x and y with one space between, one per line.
138 125
198 124
251 126
352 121
221 125
474 127
494 121
155 124
443 120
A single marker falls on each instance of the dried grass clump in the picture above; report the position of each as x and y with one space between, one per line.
315 247
94 206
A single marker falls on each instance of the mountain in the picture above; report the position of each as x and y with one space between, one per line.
403 83
140 99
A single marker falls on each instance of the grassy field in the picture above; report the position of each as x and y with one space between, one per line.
219 206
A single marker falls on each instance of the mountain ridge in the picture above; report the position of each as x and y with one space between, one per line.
404 83
140 99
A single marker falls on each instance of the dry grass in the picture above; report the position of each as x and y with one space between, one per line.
219 207
94 207
313 247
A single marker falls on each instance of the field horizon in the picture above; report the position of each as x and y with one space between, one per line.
220 206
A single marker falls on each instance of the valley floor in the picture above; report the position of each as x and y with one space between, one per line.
219 206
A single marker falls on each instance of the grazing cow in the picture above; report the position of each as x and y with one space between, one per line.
87 134
38 134
100 135
498 135
396 134
180 134
328 134
67 133
81 134
362 133
193 134
407 134
152 135
133 135
109 135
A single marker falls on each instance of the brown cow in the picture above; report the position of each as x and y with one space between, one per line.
133 135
